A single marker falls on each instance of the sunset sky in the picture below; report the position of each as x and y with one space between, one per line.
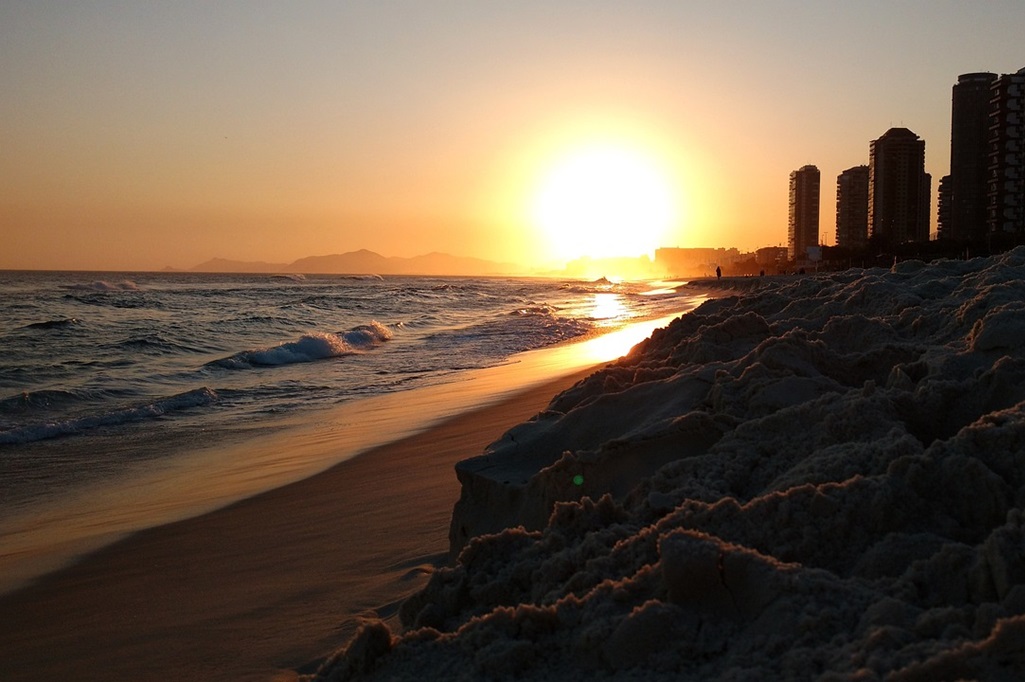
139 135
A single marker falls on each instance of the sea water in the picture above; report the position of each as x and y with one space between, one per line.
110 380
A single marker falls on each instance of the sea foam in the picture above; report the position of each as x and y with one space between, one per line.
311 347
66 427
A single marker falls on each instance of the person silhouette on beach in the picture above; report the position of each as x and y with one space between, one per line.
718 272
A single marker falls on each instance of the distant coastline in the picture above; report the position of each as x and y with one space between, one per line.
668 262
365 262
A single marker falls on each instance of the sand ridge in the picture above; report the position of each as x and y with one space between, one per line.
820 477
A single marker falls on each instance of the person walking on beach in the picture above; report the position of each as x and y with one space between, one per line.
718 272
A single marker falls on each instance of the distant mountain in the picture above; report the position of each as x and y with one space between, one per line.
443 263
364 262
360 262
225 265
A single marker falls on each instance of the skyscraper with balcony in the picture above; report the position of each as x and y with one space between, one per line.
966 192
852 208
803 229
1006 171
899 189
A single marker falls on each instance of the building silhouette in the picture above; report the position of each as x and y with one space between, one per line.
852 208
899 189
772 257
1006 169
803 230
943 209
964 197
693 262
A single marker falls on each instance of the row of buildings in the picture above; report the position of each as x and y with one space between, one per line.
888 200
985 191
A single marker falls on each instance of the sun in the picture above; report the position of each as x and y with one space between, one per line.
604 201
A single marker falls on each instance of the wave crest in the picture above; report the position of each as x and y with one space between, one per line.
311 347
154 410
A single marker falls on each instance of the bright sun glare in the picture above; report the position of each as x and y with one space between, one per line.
605 201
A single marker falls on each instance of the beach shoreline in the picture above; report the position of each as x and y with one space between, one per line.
40 538
819 477
263 588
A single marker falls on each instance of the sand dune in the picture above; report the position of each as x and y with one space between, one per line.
818 477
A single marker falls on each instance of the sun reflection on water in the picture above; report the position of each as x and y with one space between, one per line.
608 347
608 307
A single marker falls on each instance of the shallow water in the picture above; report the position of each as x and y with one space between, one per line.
128 401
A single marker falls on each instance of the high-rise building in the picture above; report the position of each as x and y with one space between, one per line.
803 230
969 152
899 188
1006 187
852 208
943 209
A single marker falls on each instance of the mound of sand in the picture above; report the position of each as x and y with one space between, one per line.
817 478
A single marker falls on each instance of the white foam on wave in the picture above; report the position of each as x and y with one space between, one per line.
367 335
311 347
66 427
541 309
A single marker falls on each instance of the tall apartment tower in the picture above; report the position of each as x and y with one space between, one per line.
852 208
1006 195
803 230
966 215
898 188
943 210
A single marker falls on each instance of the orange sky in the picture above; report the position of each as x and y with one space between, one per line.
135 136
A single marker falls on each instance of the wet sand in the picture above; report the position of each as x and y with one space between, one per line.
265 588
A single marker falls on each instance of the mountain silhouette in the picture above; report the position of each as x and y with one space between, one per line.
364 262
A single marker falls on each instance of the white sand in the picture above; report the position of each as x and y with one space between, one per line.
821 477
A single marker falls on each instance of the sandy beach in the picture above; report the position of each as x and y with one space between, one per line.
811 477
265 588
816 477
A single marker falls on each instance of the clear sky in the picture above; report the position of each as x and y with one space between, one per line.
138 135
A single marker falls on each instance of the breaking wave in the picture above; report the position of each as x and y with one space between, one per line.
310 347
67 427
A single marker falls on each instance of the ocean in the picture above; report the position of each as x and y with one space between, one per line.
110 379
